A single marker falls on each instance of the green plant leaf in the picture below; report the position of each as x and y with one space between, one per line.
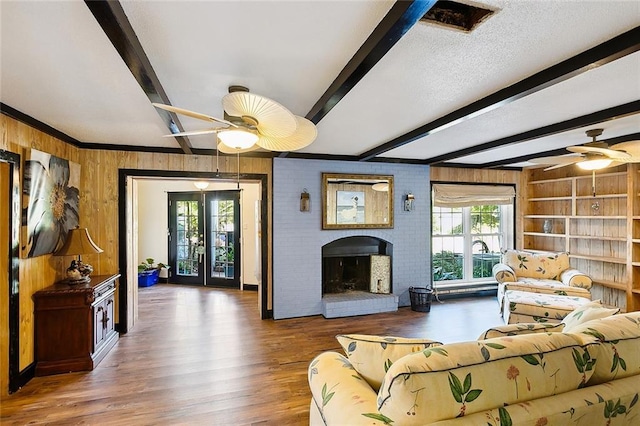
467 383
440 351
614 365
530 359
376 416
387 365
505 418
623 364
485 353
495 346
634 401
456 388
472 395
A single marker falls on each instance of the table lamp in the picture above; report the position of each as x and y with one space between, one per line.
78 243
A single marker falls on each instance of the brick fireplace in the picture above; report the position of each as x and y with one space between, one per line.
356 277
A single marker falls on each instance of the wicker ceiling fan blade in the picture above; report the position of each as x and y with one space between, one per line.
193 133
630 147
192 114
557 166
558 159
304 135
268 116
610 153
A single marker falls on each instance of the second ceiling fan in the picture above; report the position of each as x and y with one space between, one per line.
252 122
594 155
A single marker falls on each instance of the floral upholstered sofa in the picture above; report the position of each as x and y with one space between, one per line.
520 374
539 286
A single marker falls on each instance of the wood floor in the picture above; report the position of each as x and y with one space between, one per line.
201 356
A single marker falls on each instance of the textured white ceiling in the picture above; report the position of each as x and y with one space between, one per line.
600 88
58 66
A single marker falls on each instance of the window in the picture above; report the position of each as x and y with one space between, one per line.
467 239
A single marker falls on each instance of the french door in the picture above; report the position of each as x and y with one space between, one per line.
204 238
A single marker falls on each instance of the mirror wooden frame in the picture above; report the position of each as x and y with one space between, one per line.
377 211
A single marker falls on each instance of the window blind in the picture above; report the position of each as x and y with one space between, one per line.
450 195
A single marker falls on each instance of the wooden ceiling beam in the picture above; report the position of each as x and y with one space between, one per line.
116 25
598 117
400 18
609 51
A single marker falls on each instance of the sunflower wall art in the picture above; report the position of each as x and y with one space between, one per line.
51 196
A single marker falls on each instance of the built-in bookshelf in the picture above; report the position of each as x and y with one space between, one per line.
599 229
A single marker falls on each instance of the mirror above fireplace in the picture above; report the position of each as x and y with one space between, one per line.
357 201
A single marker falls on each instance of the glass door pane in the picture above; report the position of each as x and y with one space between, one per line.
223 226
186 244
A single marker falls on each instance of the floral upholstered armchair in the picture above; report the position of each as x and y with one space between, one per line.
541 272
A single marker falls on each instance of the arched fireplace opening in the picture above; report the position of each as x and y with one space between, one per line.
359 263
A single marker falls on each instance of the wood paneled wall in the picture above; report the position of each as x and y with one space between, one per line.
514 177
98 207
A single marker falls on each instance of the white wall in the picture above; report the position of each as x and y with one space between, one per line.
298 237
153 220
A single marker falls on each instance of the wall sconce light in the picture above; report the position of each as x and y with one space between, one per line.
305 201
408 202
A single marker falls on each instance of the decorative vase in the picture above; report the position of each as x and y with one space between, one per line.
547 226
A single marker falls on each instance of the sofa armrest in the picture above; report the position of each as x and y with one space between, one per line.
575 278
339 393
503 273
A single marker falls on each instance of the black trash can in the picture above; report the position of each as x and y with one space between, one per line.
420 298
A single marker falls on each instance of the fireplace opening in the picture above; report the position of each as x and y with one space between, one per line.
356 264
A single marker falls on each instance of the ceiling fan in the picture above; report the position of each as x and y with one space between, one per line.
252 122
594 155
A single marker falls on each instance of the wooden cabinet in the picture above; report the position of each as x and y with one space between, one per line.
600 232
75 325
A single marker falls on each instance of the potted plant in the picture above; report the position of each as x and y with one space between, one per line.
229 272
148 272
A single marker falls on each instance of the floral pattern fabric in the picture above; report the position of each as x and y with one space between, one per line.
587 312
517 329
618 339
612 403
536 265
587 377
462 378
538 307
372 356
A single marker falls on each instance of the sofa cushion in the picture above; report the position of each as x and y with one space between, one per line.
462 378
617 353
590 311
337 391
517 329
372 356
536 265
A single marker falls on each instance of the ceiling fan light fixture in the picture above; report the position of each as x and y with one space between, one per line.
238 138
595 164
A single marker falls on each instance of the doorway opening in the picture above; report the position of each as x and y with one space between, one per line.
138 237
